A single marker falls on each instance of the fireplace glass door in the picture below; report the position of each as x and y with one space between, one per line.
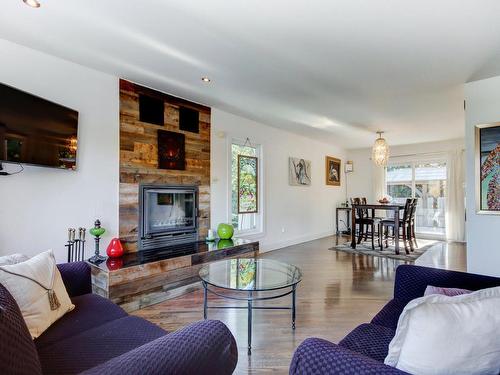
169 211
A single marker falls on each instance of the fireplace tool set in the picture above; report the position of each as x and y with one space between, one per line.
76 246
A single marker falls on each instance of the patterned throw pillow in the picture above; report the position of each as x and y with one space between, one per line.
450 292
38 289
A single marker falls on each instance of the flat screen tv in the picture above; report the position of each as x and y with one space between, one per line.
36 131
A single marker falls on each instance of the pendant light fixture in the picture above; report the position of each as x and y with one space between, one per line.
32 3
380 151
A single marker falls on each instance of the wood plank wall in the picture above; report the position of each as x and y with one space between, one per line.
139 158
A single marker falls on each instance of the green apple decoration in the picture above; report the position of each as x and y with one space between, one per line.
223 244
225 231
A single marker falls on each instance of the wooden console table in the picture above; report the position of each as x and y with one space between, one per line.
144 278
347 211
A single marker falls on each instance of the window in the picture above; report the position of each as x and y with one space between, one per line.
400 182
251 222
425 180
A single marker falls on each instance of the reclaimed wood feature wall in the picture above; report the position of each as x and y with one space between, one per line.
139 157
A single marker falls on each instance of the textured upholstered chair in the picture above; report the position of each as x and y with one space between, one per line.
364 349
98 337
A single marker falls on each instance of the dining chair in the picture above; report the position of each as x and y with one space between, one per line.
364 222
411 227
404 224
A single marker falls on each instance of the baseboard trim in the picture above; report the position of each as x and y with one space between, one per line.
264 247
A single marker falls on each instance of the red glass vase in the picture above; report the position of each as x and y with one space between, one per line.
115 248
114 263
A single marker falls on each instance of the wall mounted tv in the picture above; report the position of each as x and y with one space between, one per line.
36 131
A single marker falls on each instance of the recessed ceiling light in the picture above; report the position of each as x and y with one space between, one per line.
32 3
205 79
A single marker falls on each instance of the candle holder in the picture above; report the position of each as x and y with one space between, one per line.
97 231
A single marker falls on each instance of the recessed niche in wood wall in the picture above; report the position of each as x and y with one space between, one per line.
151 110
189 120
139 161
171 153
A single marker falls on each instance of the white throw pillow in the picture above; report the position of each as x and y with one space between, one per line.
437 334
38 289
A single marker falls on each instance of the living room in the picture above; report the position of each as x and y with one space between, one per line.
265 123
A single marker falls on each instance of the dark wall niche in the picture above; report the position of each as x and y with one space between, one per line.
151 110
171 152
189 120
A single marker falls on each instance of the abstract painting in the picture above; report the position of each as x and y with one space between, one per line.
332 171
247 184
488 168
299 172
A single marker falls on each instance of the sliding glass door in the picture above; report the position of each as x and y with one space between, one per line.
425 180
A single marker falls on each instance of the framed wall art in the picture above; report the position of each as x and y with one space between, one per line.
488 168
332 171
299 172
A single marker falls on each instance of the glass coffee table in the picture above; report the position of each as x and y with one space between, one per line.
250 280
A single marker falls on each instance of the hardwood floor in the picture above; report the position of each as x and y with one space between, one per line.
338 292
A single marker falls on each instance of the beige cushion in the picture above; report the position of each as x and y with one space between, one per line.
34 298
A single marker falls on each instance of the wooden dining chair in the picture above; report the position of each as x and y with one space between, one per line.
364 222
404 225
411 227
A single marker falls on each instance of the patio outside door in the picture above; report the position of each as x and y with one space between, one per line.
425 180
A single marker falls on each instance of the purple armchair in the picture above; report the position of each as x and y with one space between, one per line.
98 337
364 349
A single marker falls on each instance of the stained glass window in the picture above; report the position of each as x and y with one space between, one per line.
245 179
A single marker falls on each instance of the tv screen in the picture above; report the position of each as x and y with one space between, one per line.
36 131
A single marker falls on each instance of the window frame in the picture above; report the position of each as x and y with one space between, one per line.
413 162
259 231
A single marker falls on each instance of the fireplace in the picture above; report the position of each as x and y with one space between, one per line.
168 215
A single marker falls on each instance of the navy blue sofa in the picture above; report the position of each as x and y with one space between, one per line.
364 349
98 337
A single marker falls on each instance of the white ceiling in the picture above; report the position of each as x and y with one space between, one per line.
336 70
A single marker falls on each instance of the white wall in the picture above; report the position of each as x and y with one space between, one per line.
359 182
483 246
38 205
305 212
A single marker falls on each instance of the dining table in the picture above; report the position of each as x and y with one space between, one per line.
394 207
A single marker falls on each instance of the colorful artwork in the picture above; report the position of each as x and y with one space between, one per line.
299 172
247 184
332 171
488 144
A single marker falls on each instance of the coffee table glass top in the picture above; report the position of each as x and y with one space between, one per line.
250 274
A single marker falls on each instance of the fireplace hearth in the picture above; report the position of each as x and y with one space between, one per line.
168 215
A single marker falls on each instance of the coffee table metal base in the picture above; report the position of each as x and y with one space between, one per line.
250 299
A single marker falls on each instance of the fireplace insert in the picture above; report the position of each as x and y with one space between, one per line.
168 215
